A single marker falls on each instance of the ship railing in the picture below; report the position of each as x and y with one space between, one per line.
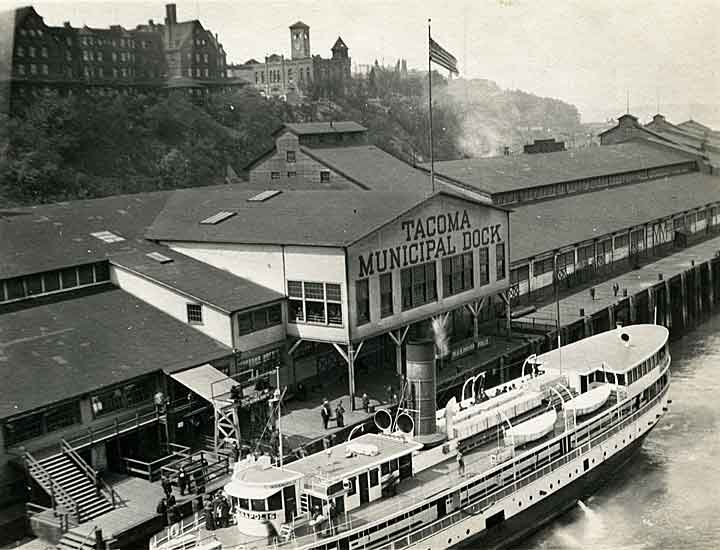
489 500
177 530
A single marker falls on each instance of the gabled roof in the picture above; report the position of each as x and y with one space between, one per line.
510 173
339 44
549 225
371 167
313 218
299 25
63 348
216 287
310 128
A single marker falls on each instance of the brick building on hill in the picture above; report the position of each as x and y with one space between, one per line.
303 73
176 55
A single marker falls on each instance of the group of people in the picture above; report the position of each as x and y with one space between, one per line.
326 414
217 511
167 507
318 520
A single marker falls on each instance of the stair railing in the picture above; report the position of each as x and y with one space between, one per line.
57 491
91 474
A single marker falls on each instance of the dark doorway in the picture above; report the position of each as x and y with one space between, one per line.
442 508
586 465
364 488
289 500
340 504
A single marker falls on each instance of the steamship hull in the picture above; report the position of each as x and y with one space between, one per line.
513 518
522 526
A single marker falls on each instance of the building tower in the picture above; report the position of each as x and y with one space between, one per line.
300 40
339 50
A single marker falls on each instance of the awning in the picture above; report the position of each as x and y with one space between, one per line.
207 382
242 490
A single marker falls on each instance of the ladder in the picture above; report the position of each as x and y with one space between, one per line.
304 504
287 533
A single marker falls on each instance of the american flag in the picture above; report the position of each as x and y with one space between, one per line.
442 57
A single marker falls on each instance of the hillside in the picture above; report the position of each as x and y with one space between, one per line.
62 148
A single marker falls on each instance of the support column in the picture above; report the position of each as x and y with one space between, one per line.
475 308
699 292
711 287
502 369
588 322
611 316
508 313
631 306
349 357
683 298
399 340
668 305
651 304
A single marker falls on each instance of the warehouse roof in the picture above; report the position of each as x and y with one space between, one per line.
372 168
63 348
307 128
319 218
216 287
510 173
51 236
545 226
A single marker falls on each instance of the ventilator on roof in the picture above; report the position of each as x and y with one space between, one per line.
217 218
265 195
161 258
107 236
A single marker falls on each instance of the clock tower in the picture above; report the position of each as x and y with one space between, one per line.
300 40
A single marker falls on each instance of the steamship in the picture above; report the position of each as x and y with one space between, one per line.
529 450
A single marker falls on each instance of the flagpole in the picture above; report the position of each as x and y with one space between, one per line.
432 154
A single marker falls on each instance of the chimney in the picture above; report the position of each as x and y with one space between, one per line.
171 12
151 23
66 24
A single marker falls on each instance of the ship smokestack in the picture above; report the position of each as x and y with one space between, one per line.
422 388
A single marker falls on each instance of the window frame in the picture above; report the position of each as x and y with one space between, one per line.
411 291
303 299
194 316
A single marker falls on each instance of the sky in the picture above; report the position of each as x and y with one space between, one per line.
591 53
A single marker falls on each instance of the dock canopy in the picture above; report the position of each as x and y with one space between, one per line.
207 382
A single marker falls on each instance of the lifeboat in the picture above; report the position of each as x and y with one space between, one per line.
589 401
532 429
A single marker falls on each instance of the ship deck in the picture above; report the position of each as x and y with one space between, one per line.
421 486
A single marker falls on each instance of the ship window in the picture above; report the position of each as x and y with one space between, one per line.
257 505
385 468
275 502
243 503
374 478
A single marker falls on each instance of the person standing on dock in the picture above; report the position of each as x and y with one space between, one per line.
182 480
166 485
325 413
339 415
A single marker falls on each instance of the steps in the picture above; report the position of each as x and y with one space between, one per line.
77 539
71 486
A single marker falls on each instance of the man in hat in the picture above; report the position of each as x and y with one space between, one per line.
325 413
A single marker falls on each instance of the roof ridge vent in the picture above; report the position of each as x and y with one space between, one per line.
265 195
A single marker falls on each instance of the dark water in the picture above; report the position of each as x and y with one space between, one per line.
668 496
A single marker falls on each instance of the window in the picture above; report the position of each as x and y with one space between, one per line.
259 319
194 314
386 295
621 241
275 175
374 478
457 274
543 266
291 174
324 176
520 274
31 50
20 51
21 69
484 274
500 261
418 285
39 423
314 303
290 156
362 300
33 69
584 253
